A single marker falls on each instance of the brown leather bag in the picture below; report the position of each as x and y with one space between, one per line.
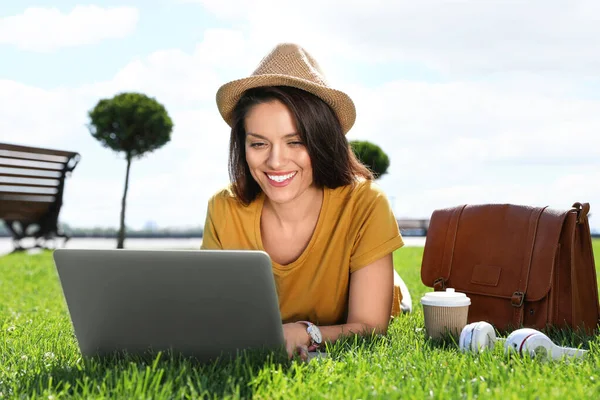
521 266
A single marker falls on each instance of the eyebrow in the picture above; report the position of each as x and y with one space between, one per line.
289 135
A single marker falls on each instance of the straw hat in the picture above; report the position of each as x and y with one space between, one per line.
288 65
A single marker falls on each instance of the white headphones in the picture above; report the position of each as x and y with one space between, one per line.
478 336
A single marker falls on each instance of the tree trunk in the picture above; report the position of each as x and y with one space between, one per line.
121 239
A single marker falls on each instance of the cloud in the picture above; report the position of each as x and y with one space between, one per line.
451 37
559 193
474 142
33 115
516 137
171 185
181 79
48 29
448 144
479 122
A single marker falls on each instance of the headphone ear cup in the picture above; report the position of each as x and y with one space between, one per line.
515 341
477 336
537 344
540 345
484 337
464 342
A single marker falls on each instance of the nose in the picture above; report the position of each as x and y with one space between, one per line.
277 157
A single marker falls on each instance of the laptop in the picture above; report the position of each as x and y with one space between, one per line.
203 304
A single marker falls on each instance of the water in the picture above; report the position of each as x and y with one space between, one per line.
6 245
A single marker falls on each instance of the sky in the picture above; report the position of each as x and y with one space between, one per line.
473 101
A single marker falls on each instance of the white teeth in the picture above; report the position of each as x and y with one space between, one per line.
281 178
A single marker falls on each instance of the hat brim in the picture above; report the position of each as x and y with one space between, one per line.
229 94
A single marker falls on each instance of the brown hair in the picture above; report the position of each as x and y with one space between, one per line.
333 161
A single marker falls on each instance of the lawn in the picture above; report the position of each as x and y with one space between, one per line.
39 358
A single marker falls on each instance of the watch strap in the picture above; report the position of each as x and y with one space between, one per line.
313 345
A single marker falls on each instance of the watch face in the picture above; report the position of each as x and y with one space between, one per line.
315 334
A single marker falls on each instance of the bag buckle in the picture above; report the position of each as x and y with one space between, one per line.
439 284
582 210
517 299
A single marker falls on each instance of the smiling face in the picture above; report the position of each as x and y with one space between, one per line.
276 156
265 144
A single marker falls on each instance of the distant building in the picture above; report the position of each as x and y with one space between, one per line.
151 226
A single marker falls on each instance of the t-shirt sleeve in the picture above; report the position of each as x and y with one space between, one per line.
210 237
377 233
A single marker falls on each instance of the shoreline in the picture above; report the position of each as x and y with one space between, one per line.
6 245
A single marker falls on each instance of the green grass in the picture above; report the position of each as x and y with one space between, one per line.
39 358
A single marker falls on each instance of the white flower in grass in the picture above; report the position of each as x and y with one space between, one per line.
49 355
24 357
11 328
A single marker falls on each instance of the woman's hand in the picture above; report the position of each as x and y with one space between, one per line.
297 339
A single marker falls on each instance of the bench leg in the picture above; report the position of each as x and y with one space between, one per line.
17 246
19 232
64 236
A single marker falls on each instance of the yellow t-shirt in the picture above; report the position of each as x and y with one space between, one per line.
356 227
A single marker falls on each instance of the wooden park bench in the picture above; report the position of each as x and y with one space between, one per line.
421 225
32 182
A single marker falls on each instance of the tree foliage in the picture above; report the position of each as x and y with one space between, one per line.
134 124
372 156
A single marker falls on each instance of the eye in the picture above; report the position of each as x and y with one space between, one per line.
257 144
296 143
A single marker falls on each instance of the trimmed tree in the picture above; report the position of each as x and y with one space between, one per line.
134 124
372 156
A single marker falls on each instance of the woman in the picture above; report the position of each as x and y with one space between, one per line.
298 193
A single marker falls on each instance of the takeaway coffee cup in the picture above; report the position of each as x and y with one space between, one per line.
445 312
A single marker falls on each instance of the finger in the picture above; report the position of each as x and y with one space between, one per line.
303 351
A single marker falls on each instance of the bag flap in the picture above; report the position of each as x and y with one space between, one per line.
493 249
545 253
431 264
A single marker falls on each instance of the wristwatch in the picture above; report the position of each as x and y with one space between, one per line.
315 335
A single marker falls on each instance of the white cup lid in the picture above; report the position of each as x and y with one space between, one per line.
449 298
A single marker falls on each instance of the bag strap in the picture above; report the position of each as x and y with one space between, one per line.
448 255
582 210
518 297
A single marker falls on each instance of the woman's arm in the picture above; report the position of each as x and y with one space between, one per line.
370 300
369 307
